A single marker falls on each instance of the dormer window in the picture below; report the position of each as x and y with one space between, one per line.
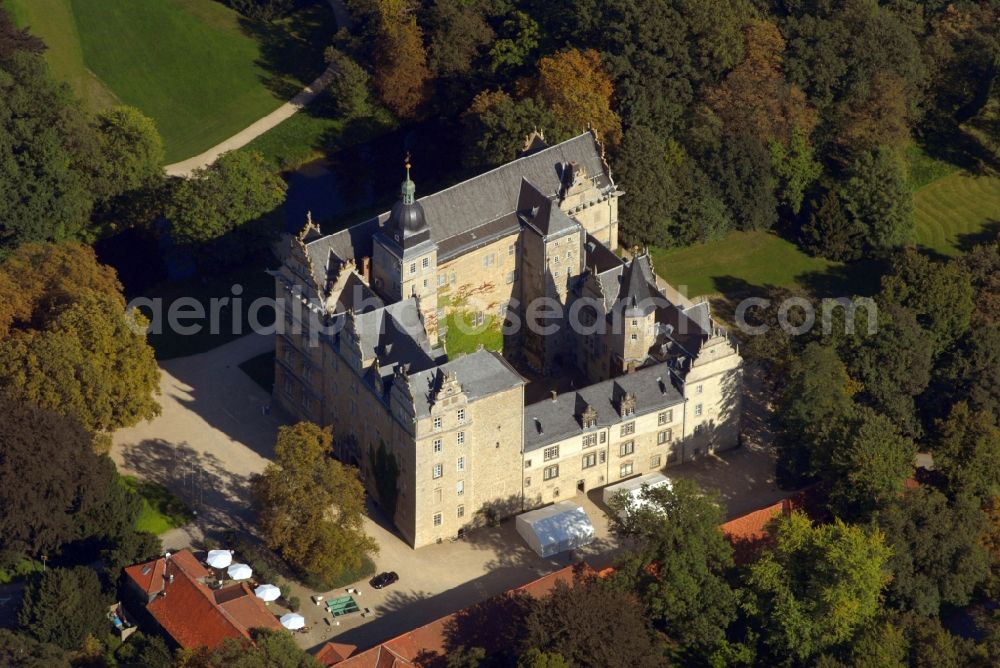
588 418
628 404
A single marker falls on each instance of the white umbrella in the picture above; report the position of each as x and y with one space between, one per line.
293 621
219 558
239 572
267 592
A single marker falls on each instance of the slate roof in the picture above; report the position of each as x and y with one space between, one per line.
473 203
393 334
635 293
480 374
540 212
552 420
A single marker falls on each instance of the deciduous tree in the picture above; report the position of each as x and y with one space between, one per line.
311 507
574 84
217 199
19 650
967 451
131 152
816 588
401 73
495 127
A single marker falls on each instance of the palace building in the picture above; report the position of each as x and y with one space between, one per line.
601 375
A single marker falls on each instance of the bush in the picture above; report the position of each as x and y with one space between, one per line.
294 604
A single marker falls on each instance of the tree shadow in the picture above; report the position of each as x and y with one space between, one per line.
989 233
949 143
291 49
220 498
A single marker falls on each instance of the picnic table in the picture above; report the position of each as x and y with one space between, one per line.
343 605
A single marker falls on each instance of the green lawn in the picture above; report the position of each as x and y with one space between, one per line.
757 258
463 336
161 510
199 69
955 210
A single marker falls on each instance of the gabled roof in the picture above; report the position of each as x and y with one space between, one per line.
193 614
480 374
394 333
540 212
477 201
551 420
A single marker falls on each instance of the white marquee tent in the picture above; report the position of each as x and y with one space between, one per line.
556 528
634 486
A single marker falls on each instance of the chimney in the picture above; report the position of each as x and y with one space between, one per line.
553 395
365 268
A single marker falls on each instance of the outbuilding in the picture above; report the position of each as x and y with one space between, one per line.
634 486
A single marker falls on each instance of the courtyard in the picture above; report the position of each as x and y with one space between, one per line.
216 429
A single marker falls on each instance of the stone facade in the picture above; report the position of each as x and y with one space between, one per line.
444 444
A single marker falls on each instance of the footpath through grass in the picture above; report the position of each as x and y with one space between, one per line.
161 510
198 68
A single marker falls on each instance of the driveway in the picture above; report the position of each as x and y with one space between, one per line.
214 433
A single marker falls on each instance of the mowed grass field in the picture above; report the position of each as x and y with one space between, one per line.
952 212
758 258
195 66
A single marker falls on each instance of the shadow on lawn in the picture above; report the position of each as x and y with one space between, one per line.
989 233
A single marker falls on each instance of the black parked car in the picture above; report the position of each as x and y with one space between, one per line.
383 580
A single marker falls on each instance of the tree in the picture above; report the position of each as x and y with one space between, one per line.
930 645
49 475
971 372
892 365
131 152
878 197
573 622
983 265
829 230
575 85
754 100
816 588
495 127
269 649
536 659
815 401
869 463
46 156
401 73
144 651
516 42
349 87
64 606
742 169
968 452
14 39
680 563
236 188
19 650
458 35
937 551
311 507
795 168
940 294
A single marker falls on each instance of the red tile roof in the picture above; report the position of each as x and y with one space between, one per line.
334 652
189 611
431 638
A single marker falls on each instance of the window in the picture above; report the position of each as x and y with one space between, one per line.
602 456
551 472
489 259
589 460
628 428
626 470
425 283
461 416
626 448
460 488
437 519
461 438
453 278
697 410
461 511
289 387
289 354
437 445
307 403
511 275
413 267
437 423
426 262
461 463
665 417
552 453
511 249
480 319
442 279
663 437
527 482
654 462
604 436
569 254
699 389
438 471
590 440
557 273
635 337
527 463
635 323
